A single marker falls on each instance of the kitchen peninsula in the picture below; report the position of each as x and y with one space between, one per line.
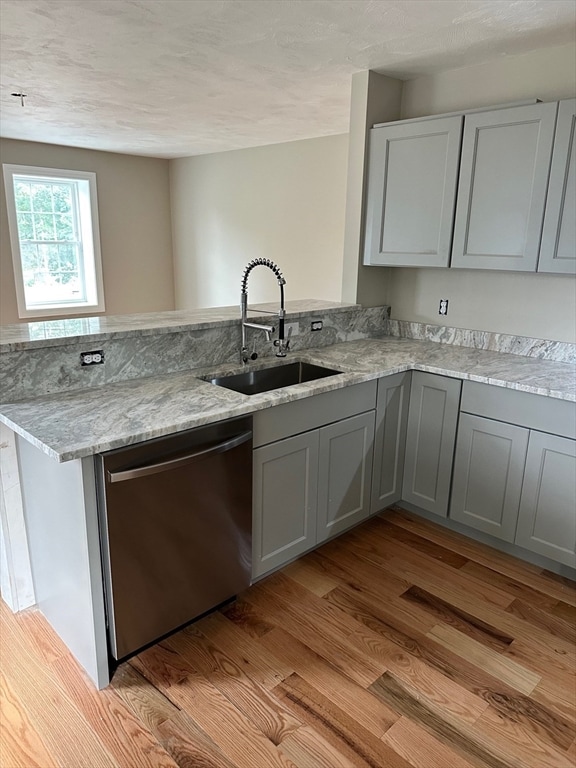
150 385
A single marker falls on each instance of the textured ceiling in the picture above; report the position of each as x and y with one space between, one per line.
171 78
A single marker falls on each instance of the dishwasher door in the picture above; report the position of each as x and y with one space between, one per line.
176 529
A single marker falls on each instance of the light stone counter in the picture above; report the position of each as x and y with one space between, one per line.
56 333
76 424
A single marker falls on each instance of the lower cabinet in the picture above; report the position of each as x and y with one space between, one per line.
285 500
431 433
390 440
547 517
344 474
314 485
488 472
503 463
515 481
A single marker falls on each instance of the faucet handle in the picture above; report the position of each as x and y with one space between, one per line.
283 346
245 356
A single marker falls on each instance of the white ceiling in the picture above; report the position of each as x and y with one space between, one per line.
172 78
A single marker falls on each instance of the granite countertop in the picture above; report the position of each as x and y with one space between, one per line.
76 424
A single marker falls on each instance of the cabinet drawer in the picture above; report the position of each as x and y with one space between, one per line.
546 414
312 412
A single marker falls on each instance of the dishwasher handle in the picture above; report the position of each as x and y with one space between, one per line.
181 461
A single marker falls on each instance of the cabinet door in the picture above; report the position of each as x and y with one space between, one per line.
488 471
390 440
547 519
502 191
411 193
345 474
285 500
558 248
430 438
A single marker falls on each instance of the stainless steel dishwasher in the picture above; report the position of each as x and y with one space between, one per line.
176 529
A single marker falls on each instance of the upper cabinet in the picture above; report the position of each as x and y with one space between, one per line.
558 249
411 192
502 190
485 190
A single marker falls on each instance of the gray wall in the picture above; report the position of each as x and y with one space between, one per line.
284 202
135 232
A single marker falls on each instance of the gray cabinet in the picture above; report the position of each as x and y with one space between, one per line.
431 434
412 179
61 519
285 500
488 472
504 170
344 475
315 484
390 440
515 469
481 190
547 518
558 247
502 459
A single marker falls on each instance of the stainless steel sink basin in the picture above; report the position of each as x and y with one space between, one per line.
266 379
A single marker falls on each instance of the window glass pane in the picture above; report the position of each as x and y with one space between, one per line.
30 257
25 226
44 255
22 194
62 198
69 258
44 226
52 285
64 227
52 259
42 197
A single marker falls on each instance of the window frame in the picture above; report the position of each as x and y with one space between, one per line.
91 256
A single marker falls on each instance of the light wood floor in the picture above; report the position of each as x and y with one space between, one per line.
399 644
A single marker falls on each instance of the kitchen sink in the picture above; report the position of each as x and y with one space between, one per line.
266 379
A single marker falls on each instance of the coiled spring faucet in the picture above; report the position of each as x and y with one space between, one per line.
280 342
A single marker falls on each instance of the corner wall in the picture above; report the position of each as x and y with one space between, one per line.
135 233
374 98
524 304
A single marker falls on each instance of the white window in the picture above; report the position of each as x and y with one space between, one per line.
53 222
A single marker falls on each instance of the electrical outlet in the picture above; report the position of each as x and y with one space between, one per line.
316 325
443 308
92 358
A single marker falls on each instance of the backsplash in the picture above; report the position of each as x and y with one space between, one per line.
542 349
45 366
43 370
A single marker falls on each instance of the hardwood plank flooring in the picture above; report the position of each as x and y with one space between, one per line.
398 645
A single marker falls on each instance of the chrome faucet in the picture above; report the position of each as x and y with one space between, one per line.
280 342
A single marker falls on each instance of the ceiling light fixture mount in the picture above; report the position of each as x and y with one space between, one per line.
21 95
